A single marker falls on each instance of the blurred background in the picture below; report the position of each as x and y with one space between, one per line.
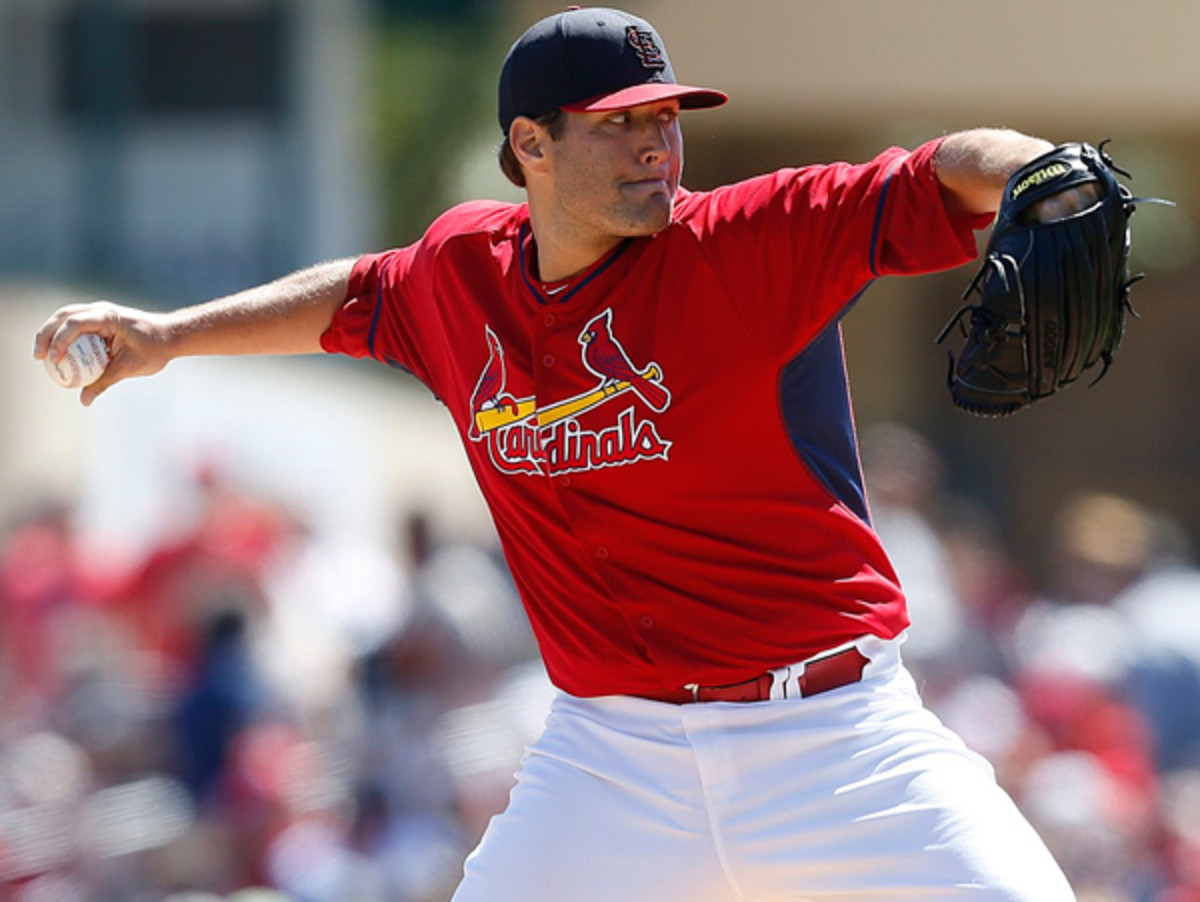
256 639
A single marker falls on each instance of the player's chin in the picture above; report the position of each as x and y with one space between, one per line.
648 217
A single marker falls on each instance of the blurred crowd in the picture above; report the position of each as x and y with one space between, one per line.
251 711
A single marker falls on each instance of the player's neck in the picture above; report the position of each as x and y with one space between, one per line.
561 253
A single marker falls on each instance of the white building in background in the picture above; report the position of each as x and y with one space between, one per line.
170 151
179 149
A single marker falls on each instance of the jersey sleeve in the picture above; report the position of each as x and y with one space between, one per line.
401 304
796 247
372 322
917 232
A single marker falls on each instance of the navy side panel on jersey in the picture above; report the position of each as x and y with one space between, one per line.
816 410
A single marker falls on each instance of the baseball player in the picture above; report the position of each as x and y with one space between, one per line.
650 387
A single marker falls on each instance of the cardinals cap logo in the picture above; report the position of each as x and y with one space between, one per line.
648 52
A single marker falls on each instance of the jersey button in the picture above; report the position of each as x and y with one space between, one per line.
565 481
550 319
548 360
602 553
646 621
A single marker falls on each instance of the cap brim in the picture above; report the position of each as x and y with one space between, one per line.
690 98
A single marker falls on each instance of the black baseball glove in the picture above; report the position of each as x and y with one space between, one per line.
1053 293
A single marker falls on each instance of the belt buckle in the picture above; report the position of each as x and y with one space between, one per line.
693 688
781 681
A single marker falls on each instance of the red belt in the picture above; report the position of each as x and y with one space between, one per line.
819 675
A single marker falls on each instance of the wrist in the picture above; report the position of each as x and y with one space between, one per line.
973 166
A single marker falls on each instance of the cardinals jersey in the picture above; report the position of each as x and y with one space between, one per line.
665 441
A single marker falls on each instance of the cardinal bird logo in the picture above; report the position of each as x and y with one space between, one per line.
604 356
489 393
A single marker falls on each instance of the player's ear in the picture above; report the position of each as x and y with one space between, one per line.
528 141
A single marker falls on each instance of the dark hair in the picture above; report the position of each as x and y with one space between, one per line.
554 122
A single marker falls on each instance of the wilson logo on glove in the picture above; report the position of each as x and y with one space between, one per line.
1038 178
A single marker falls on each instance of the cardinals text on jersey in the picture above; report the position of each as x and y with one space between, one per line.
525 437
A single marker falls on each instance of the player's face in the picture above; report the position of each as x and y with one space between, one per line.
616 174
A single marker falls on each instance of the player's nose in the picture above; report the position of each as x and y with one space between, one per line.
654 142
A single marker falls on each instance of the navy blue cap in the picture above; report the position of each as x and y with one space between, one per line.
591 59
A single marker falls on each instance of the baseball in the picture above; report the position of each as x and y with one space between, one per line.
83 363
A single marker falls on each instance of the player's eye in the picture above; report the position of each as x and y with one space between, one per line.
620 117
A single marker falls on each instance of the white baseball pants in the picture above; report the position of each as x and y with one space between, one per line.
856 795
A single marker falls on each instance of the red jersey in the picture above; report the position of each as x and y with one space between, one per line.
666 441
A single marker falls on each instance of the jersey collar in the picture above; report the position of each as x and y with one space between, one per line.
564 289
